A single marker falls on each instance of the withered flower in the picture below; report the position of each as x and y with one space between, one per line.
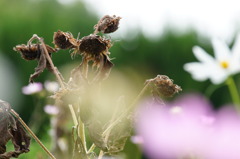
36 52
64 40
164 86
107 24
95 48
32 52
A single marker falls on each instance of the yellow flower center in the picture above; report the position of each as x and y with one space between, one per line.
224 64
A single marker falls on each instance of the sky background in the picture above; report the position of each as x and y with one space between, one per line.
212 18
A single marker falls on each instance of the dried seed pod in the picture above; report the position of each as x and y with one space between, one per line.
64 40
32 52
107 24
164 86
94 45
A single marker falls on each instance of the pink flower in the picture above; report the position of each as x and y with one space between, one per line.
189 127
32 88
137 139
51 109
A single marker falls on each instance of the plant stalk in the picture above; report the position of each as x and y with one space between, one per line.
81 133
234 92
101 154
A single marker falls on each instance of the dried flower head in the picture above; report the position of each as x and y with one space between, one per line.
38 51
92 48
28 52
32 52
164 86
107 24
94 45
64 40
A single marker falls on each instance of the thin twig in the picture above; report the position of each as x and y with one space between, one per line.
15 114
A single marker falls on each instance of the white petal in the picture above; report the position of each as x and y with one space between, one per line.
202 72
236 47
218 78
221 50
202 55
198 70
234 66
217 74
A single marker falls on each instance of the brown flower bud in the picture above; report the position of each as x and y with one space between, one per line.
164 86
64 40
94 45
107 24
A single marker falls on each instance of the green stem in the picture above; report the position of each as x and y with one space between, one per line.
81 131
91 149
234 92
75 121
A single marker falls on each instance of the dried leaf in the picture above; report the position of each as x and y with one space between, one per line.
8 155
105 68
119 135
7 122
10 128
42 62
21 139
95 128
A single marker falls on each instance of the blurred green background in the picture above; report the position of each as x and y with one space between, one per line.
137 57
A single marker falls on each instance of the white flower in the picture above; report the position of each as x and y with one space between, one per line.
218 69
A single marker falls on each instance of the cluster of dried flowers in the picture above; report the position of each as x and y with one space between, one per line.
108 136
